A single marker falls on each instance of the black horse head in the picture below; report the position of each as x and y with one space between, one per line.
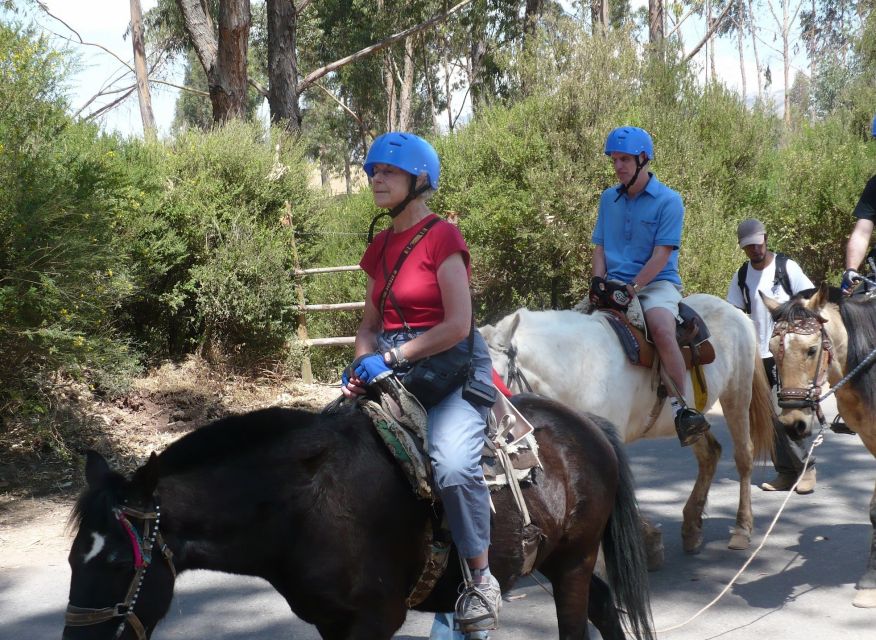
121 586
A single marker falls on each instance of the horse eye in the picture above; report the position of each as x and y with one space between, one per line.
812 351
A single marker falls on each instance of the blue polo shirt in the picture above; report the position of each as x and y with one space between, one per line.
628 229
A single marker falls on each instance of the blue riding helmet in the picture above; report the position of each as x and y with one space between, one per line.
631 140
406 151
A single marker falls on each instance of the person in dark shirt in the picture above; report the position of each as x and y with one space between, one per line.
859 240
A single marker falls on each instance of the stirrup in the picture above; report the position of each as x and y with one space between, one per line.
838 426
690 425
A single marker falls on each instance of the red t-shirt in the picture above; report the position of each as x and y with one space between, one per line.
415 288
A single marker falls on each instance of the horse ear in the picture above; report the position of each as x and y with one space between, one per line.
819 298
770 303
96 469
146 477
514 324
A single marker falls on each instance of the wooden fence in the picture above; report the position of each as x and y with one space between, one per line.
304 309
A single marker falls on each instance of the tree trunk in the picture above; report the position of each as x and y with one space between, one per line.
753 27
140 70
599 17
786 60
709 67
740 45
283 64
234 23
430 88
655 22
447 91
224 58
407 88
348 181
534 9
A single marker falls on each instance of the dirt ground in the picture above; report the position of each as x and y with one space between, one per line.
38 485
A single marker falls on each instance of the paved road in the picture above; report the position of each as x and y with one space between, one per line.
800 585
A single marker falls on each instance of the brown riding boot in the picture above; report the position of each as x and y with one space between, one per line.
690 425
784 482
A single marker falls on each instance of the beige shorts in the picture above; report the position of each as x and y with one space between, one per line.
660 293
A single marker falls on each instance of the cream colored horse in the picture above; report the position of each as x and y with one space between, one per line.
815 341
578 360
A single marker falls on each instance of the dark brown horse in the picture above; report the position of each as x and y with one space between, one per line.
817 341
316 505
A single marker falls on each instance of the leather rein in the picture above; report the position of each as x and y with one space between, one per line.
515 373
142 547
804 397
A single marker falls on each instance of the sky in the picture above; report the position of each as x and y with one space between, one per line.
105 22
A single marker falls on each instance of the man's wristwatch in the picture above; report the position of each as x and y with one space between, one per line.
395 358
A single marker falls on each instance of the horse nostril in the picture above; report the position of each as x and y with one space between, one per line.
801 428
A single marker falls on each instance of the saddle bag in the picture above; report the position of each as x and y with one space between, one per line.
434 378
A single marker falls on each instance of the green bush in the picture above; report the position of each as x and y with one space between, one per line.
207 239
61 273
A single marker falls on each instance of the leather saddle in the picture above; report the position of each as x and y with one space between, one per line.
691 332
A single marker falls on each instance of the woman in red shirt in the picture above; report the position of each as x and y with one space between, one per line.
428 312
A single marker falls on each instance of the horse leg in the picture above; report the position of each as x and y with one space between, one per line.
866 596
571 580
738 423
707 451
602 612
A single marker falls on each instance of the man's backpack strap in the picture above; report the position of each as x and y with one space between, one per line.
781 278
782 273
740 280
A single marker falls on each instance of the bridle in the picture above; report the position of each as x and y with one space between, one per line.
515 373
142 548
804 397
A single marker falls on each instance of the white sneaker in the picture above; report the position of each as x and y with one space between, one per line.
477 609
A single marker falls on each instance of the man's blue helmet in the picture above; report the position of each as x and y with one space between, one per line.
406 151
873 128
631 140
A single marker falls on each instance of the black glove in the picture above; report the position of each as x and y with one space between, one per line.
597 290
850 279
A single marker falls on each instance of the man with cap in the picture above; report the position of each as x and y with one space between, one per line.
780 278
859 240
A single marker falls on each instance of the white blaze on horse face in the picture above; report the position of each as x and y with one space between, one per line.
97 546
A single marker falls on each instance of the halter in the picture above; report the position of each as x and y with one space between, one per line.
142 547
808 397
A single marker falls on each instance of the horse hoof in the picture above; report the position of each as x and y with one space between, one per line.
692 544
739 541
866 599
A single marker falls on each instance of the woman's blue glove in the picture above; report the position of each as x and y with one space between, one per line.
370 368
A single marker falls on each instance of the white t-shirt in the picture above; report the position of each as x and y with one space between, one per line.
763 281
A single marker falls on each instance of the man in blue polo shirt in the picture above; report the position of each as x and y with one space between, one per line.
637 236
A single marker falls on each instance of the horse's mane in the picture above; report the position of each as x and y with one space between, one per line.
220 441
238 435
794 310
859 318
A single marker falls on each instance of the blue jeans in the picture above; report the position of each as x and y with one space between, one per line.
456 432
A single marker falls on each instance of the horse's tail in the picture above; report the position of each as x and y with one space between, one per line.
761 414
625 561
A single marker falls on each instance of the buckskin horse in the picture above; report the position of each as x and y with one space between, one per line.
817 341
316 505
578 360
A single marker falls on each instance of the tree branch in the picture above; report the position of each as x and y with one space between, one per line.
79 37
343 106
715 24
313 76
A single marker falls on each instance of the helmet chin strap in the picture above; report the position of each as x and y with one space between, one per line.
626 187
413 193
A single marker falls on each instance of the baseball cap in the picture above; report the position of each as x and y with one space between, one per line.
750 231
